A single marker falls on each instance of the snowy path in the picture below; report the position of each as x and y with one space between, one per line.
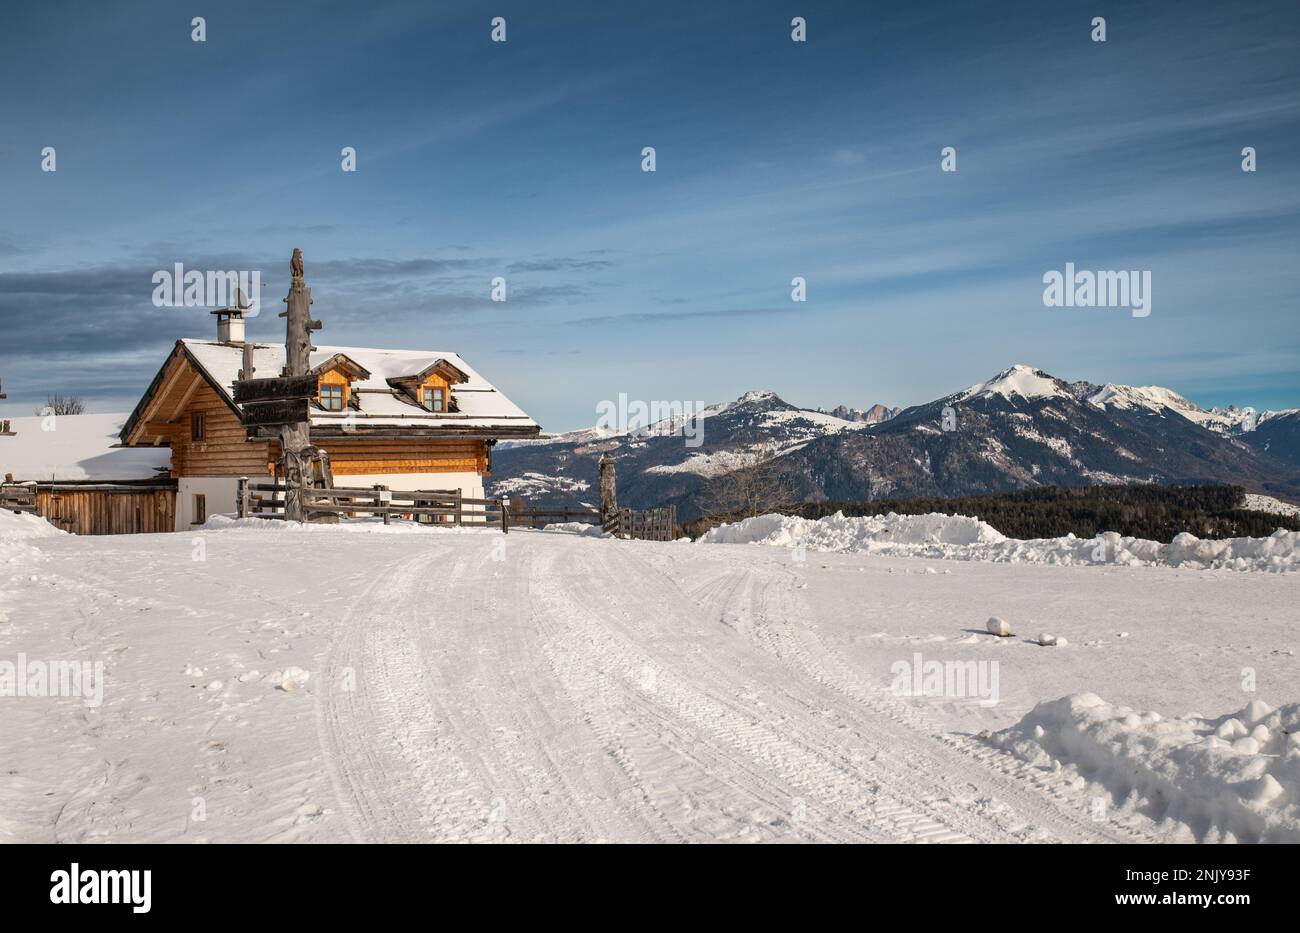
560 688
557 708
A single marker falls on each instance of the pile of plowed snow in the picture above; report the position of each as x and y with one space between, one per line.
959 537
19 525
1231 779
16 529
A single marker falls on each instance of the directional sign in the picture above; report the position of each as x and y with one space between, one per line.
267 390
276 411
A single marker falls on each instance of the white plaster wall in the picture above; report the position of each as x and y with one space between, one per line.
222 493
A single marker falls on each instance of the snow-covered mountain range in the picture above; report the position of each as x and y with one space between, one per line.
1021 428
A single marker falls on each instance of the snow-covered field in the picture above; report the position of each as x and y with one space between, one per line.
398 684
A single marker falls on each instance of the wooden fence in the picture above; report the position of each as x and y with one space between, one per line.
644 524
540 518
448 506
18 497
430 506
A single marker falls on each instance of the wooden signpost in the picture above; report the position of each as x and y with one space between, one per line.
284 402
275 413
275 402
271 390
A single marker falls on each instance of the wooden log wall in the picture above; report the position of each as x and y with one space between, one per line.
106 510
374 456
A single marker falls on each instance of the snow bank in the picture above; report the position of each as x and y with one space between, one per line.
1231 779
958 537
577 528
16 526
16 530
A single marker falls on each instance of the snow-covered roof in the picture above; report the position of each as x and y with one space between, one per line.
76 448
480 404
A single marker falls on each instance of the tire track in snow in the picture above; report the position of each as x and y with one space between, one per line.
1041 800
450 734
545 774
397 774
778 754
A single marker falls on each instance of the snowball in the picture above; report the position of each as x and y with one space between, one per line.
293 678
1047 640
999 627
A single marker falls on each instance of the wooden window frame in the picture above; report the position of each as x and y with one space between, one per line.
336 391
200 509
434 399
196 426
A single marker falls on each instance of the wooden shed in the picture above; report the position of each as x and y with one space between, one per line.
85 482
108 508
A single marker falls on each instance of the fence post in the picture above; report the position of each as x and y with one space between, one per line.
243 497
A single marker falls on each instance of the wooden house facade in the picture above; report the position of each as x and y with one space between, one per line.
405 419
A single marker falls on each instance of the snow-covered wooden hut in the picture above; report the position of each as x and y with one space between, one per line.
86 482
405 419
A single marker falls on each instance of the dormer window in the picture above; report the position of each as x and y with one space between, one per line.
431 387
331 396
334 382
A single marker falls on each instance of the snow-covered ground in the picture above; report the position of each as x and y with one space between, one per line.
271 683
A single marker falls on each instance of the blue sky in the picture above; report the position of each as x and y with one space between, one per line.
774 159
